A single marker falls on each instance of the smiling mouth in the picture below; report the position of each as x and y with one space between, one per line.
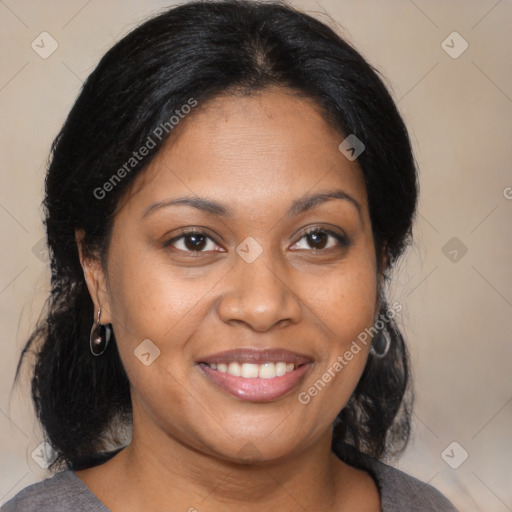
256 375
267 370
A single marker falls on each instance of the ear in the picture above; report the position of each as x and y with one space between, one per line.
95 279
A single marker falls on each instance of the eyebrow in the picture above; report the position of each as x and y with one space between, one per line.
300 205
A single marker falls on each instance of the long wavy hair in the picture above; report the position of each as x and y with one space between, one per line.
202 50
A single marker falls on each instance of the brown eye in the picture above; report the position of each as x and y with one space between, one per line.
195 242
322 239
192 241
318 239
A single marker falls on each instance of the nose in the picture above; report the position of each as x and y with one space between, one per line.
259 296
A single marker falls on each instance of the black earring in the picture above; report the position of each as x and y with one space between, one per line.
100 336
380 345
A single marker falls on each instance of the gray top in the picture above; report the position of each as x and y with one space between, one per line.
65 492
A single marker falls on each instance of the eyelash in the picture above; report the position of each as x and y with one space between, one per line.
342 240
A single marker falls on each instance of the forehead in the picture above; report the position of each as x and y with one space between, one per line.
252 151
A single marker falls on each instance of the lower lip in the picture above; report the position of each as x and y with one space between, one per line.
256 389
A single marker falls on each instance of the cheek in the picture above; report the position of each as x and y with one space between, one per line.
344 302
356 306
345 308
153 314
151 301
148 299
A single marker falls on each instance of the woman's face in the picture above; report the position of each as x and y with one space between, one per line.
252 280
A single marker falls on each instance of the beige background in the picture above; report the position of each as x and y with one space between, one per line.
457 314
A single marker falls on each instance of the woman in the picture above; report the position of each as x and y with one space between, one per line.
224 204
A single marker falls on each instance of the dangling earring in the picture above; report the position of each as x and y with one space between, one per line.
100 336
380 345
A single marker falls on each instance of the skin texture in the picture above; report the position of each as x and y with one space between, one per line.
256 155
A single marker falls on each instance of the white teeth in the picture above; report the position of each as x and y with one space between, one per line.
234 369
267 371
280 369
250 370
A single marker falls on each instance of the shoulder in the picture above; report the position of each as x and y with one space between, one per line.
398 490
60 493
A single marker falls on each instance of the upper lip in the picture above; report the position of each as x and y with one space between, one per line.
256 356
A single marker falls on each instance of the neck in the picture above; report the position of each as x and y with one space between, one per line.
167 473
159 469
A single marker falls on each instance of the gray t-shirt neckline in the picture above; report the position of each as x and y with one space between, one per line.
65 491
